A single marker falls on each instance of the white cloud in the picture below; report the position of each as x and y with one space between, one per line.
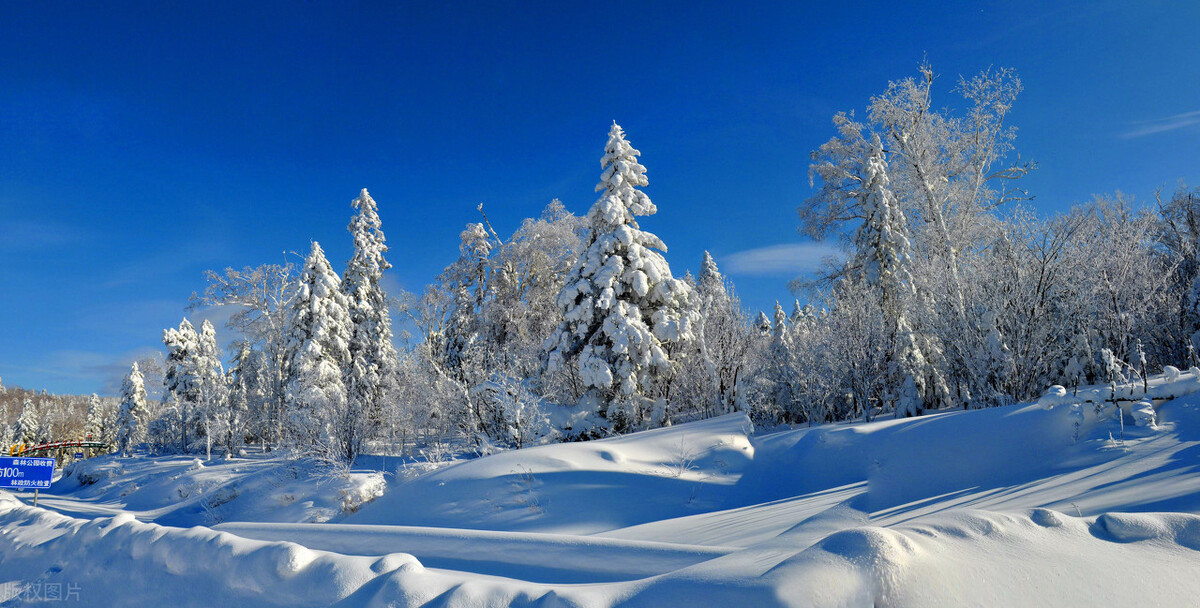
779 260
1163 125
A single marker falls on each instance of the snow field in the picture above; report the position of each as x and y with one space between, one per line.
1053 503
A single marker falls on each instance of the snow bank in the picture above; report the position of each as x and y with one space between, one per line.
131 563
185 491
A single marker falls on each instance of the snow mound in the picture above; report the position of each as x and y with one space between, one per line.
184 491
135 563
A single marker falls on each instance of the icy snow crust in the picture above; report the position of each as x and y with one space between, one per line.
1031 504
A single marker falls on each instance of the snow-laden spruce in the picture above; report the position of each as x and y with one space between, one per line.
318 349
6 431
723 336
132 414
29 427
885 257
93 427
372 354
215 416
183 380
620 303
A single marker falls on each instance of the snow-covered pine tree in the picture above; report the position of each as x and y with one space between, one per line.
620 302
133 415
183 380
215 415
372 355
884 255
29 427
317 352
763 324
996 360
93 427
6 431
780 369
467 280
725 336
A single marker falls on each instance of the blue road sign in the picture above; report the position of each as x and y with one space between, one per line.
25 473
78 455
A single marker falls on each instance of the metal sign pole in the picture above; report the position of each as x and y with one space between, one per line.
35 490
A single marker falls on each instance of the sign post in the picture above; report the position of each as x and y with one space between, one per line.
25 473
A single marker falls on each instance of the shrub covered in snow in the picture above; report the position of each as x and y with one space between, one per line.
1053 396
1143 413
1170 373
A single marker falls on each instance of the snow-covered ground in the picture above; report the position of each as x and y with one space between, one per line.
1052 503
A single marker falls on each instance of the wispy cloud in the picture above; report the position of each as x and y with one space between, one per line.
779 260
78 371
1163 125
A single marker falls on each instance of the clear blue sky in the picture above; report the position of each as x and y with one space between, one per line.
142 143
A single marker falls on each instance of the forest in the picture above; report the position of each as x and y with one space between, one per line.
952 291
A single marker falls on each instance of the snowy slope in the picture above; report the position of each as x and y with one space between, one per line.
185 491
1003 506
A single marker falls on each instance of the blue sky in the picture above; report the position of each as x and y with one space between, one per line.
143 144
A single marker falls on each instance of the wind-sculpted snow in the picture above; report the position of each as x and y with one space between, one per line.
1049 504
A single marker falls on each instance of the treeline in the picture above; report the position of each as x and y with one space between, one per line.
951 293
32 417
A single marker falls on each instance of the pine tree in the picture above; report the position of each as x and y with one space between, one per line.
133 415
29 427
620 303
372 355
762 323
6 430
780 368
94 426
215 416
319 330
885 256
183 380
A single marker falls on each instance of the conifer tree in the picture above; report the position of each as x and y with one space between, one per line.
93 427
183 380
215 415
372 355
132 415
620 303
29 427
885 254
317 352
7 431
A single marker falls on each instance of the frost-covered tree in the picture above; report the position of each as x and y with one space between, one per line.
183 380
259 298
372 355
319 330
884 256
216 417
7 431
29 425
620 303
1179 234
249 389
947 172
486 317
763 324
132 414
527 273
94 426
724 336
